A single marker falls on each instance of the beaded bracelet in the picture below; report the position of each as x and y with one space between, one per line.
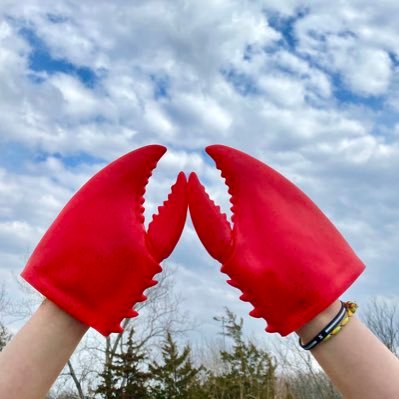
333 327
351 308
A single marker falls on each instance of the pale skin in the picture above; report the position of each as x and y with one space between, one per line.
33 359
356 361
358 364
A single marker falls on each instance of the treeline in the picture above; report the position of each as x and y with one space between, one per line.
149 361
246 371
243 370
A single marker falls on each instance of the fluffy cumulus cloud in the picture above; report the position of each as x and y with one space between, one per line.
311 90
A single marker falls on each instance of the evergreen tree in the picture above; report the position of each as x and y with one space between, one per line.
248 371
176 377
125 378
5 336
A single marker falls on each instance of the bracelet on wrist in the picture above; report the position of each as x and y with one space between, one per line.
333 327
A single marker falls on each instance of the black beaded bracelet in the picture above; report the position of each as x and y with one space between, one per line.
326 330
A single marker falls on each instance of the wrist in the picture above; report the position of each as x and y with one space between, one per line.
314 326
58 319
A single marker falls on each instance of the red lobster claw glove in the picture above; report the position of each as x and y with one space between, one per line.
96 259
283 253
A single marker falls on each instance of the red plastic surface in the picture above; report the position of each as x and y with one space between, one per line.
283 253
96 259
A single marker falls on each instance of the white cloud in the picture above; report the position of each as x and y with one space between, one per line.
305 108
283 91
343 41
79 101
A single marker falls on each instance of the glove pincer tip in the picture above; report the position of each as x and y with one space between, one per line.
233 283
131 313
245 297
142 298
151 283
255 313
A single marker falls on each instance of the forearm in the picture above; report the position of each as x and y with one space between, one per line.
355 360
33 359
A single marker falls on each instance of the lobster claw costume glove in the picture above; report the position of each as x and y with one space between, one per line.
96 259
282 252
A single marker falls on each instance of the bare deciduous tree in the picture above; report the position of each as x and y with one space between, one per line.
299 375
381 315
5 335
159 313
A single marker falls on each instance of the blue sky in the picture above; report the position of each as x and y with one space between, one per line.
312 91
41 60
